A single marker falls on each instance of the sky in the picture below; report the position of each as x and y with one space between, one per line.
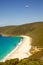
17 12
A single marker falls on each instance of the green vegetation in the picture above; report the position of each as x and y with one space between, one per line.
35 59
35 31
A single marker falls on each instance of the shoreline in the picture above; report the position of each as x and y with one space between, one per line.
24 45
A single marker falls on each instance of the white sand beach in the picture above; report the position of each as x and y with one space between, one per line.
21 51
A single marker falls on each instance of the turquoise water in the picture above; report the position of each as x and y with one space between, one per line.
7 44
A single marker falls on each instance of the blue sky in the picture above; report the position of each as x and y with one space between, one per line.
15 12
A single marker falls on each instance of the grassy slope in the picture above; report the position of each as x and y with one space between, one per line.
35 31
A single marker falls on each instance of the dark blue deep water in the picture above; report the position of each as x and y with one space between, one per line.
7 44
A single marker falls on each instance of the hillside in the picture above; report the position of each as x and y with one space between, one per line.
35 31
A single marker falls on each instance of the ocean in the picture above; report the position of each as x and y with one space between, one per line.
7 44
